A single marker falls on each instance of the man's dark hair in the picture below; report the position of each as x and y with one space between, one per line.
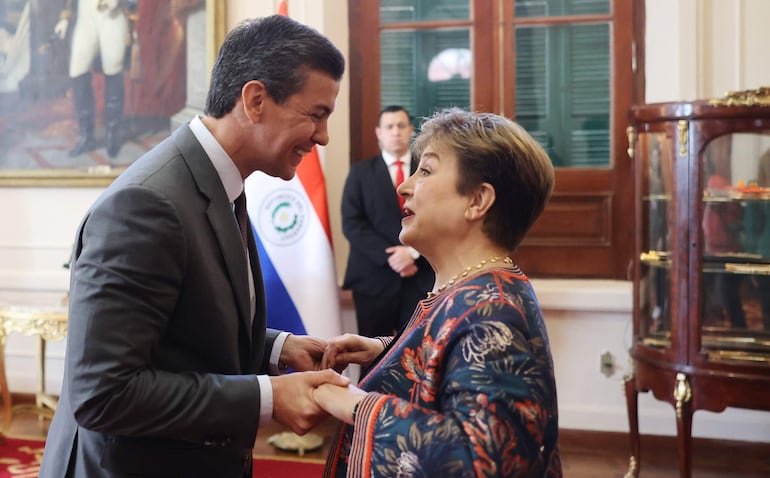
275 50
393 109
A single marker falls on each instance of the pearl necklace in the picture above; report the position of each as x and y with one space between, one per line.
467 270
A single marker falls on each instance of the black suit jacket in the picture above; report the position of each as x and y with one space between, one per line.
371 221
161 357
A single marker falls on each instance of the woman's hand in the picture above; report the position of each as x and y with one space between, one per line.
350 348
338 401
303 353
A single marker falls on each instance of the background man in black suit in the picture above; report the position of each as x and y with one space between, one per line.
168 355
386 277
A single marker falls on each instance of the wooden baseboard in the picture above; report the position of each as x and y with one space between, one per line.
619 442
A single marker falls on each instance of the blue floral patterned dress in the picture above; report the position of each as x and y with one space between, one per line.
465 390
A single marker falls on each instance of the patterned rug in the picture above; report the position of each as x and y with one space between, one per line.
21 459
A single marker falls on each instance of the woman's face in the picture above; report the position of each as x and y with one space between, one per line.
435 210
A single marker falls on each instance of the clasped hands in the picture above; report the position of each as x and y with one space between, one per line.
304 398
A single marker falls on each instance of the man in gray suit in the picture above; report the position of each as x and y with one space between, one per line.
170 369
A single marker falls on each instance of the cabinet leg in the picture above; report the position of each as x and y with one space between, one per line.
632 405
683 397
684 437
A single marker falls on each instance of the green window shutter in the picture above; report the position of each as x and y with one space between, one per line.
587 118
397 75
563 91
405 61
534 88
399 11
455 91
559 8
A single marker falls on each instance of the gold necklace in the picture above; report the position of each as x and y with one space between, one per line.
467 270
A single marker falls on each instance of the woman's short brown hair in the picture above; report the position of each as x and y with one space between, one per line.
493 149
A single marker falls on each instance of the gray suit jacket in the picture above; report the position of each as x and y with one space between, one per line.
161 357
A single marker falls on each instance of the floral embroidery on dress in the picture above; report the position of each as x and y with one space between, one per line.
469 390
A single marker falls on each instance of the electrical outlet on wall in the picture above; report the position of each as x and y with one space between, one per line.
607 364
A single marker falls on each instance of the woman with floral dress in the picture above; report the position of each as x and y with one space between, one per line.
467 388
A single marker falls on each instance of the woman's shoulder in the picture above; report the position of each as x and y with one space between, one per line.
500 283
501 294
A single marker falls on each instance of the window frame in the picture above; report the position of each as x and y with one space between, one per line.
587 229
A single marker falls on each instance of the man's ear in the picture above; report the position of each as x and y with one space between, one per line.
481 201
253 96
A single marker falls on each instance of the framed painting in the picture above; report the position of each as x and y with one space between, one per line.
88 86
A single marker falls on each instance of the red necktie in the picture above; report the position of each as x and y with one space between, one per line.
399 179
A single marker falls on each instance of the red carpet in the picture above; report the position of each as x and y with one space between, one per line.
269 468
21 459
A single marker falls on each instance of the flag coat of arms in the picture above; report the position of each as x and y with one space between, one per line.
291 227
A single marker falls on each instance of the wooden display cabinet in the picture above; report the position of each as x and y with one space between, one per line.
701 327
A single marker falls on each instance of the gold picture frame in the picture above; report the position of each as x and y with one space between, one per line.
40 124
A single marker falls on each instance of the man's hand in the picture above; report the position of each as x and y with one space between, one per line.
293 403
401 261
408 271
302 352
350 348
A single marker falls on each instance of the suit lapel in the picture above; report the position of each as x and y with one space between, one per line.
384 183
220 216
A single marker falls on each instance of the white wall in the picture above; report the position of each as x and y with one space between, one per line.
38 230
704 48
695 48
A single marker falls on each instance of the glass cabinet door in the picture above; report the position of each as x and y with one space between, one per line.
735 229
657 209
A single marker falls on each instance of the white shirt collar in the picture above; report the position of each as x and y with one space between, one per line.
228 173
390 159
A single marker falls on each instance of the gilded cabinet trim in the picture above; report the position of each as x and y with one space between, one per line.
681 127
633 468
682 392
758 97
